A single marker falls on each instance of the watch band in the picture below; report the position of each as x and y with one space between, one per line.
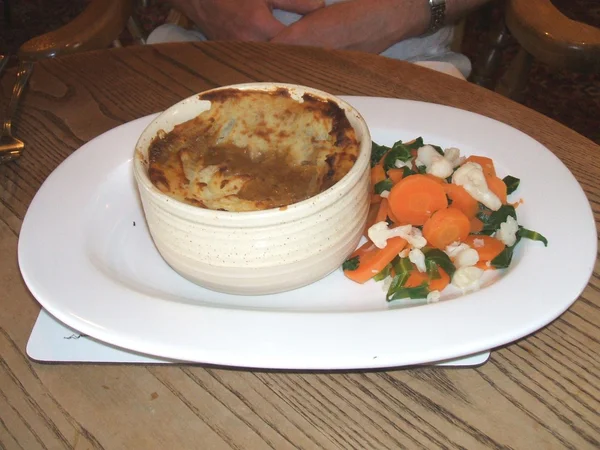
438 15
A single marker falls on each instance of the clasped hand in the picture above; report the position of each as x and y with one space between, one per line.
367 25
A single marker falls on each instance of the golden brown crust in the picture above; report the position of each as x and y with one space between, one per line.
254 150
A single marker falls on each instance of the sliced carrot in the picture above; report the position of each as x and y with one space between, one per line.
392 217
497 186
476 225
372 260
517 203
487 165
382 213
417 278
483 265
462 200
413 151
377 175
395 175
487 247
414 199
445 227
439 284
375 199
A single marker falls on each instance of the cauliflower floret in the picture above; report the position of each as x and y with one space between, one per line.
452 154
380 232
435 164
417 257
455 248
433 296
467 278
415 238
404 253
470 176
440 167
466 258
400 164
426 155
478 243
462 255
508 231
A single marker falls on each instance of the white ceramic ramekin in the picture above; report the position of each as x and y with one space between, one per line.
257 252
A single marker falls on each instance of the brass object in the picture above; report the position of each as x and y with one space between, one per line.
11 147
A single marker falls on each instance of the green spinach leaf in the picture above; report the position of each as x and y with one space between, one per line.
440 258
407 172
398 152
503 260
419 292
433 272
438 149
402 268
351 263
377 152
384 185
384 273
493 219
511 183
533 235
416 144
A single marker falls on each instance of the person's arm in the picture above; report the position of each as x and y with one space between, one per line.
245 20
369 25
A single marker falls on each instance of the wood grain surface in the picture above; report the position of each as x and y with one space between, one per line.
541 392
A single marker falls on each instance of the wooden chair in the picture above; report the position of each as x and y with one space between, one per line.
98 26
544 34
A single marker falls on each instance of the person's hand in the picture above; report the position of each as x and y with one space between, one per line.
366 25
245 20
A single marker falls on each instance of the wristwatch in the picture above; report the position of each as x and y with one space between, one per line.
438 14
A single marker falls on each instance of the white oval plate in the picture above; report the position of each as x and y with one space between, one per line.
86 255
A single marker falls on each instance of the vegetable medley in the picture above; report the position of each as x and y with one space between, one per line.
436 218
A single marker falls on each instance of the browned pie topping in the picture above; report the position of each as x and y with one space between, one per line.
254 150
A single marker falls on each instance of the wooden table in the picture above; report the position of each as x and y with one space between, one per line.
542 392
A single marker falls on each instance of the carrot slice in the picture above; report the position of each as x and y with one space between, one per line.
487 247
476 225
395 175
483 265
497 186
462 200
487 165
414 199
392 217
517 203
382 214
446 226
377 175
372 260
417 278
439 284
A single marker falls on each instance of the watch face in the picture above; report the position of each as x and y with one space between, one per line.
437 2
